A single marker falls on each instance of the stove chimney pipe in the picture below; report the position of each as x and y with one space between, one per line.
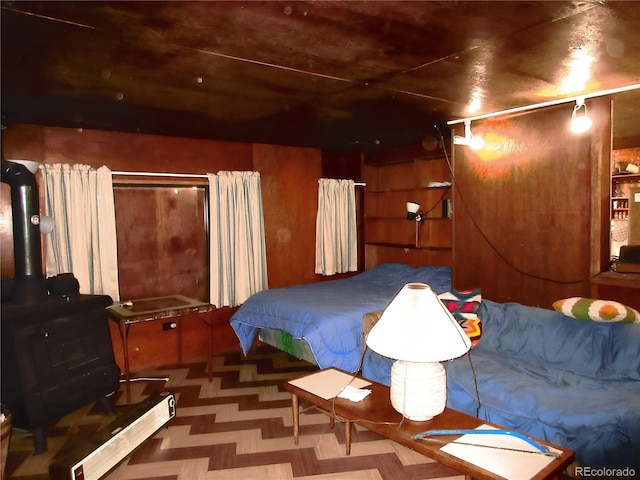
30 283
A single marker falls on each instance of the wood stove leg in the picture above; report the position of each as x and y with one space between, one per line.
39 440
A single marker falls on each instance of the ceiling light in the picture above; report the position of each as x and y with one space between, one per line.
469 139
580 122
476 102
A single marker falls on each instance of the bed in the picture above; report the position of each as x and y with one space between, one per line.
322 322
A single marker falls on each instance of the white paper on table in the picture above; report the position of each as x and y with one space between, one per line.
354 394
328 383
506 463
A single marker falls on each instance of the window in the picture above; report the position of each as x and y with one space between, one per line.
162 233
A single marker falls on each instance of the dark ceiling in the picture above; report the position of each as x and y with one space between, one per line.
330 74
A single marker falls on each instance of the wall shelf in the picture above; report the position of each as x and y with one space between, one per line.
626 176
388 235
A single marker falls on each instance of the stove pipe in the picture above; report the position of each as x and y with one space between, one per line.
30 286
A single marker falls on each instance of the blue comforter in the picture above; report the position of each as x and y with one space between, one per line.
328 315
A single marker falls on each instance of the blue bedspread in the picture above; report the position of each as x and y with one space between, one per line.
328 315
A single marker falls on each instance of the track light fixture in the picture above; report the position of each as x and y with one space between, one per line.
469 139
580 121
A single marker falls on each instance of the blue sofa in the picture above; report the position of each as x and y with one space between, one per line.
572 382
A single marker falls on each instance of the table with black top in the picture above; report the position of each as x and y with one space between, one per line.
126 314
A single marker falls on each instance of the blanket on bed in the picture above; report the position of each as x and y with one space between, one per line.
328 315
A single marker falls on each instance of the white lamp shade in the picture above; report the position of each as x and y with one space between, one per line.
417 327
413 207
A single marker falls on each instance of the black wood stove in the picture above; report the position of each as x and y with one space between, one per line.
57 354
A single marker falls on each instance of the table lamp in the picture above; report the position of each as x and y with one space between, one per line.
419 332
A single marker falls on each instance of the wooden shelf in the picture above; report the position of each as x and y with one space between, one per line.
388 235
628 176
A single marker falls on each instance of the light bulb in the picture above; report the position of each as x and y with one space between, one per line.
580 123
476 143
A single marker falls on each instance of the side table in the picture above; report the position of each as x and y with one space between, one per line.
153 309
621 287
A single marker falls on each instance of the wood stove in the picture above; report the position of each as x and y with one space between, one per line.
57 354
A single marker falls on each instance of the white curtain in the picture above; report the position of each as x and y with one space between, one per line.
336 229
238 261
83 242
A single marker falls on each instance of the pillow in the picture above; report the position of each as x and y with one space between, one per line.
464 306
596 310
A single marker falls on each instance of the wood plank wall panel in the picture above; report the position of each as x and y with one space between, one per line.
525 206
416 257
290 197
28 141
634 215
7 265
142 152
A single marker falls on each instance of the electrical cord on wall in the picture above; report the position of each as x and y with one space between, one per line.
444 193
459 194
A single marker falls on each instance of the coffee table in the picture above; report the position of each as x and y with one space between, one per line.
376 413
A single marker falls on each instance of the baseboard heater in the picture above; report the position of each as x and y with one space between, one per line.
94 457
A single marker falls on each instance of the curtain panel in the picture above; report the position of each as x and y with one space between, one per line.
238 261
83 242
336 228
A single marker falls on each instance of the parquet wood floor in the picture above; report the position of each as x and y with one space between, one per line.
237 427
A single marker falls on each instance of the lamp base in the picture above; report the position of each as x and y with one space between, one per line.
418 389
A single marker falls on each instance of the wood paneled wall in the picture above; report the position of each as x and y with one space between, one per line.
531 213
289 186
290 192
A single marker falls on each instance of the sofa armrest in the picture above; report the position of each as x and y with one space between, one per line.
369 320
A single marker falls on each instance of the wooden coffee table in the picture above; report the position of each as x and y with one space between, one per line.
376 413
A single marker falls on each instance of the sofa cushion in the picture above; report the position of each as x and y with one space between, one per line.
464 305
596 310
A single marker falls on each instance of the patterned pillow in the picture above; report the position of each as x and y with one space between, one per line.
596 310
464 306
